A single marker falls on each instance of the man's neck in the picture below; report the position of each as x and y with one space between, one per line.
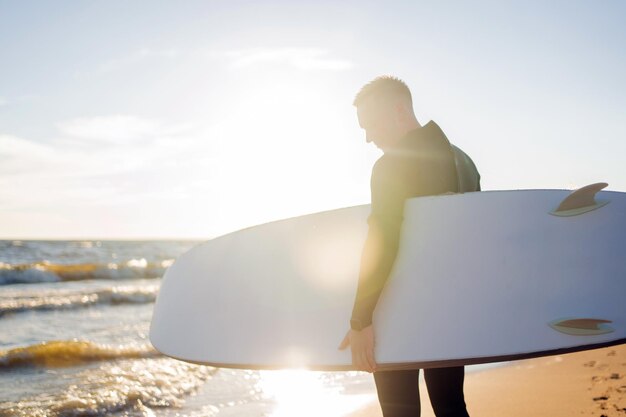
414 124
410 126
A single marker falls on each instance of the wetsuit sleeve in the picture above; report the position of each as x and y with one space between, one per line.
381 245
467 174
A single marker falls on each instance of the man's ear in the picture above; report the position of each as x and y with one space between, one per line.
401 112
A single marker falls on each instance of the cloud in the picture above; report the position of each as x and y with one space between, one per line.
25 161
159 53
24 166
137 57
300 58
102 160
21 155
3 101
116 128
308 59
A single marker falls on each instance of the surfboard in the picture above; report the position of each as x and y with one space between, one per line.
480 277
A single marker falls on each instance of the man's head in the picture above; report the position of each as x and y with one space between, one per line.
385 110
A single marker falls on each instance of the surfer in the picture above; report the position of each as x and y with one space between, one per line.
417 161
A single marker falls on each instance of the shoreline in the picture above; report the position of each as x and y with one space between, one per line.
587 383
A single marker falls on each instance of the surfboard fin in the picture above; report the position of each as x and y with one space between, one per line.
582 326
581 201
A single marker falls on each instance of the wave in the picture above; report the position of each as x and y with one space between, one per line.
48 272
65 353
66 301
126 388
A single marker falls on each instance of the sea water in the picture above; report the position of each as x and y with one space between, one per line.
74 322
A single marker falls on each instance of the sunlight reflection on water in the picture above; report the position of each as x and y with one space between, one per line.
308 393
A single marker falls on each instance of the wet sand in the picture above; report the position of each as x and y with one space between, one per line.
589 383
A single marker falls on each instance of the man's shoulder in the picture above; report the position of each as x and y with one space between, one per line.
393 161
382 163
382 167
468 175
460 154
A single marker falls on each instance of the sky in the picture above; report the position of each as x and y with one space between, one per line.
156 119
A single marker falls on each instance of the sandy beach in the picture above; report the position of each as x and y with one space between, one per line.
589 383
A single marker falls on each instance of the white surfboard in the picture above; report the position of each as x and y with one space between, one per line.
480 277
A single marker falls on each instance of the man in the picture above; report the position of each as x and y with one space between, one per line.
417 161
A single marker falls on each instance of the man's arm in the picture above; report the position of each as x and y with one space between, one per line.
382 242
379 253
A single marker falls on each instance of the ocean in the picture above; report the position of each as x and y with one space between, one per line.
74 322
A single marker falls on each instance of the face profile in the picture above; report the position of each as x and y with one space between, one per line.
380 122
385 111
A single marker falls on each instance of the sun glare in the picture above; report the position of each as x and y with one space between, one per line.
309 394
281 155
330 261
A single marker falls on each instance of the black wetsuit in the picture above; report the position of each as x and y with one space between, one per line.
421 163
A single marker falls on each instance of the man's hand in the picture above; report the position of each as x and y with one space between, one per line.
362 344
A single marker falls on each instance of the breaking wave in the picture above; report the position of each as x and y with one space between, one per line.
65 301
129 388
65 353
48 272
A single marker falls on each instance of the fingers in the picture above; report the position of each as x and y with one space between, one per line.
345 342
364 359
363 364
363 353
369 357
362 347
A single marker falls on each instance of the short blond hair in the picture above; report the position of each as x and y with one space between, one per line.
385 86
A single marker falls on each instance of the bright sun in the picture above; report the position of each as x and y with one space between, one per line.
289 148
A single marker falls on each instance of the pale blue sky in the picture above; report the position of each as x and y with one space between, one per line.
189 119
